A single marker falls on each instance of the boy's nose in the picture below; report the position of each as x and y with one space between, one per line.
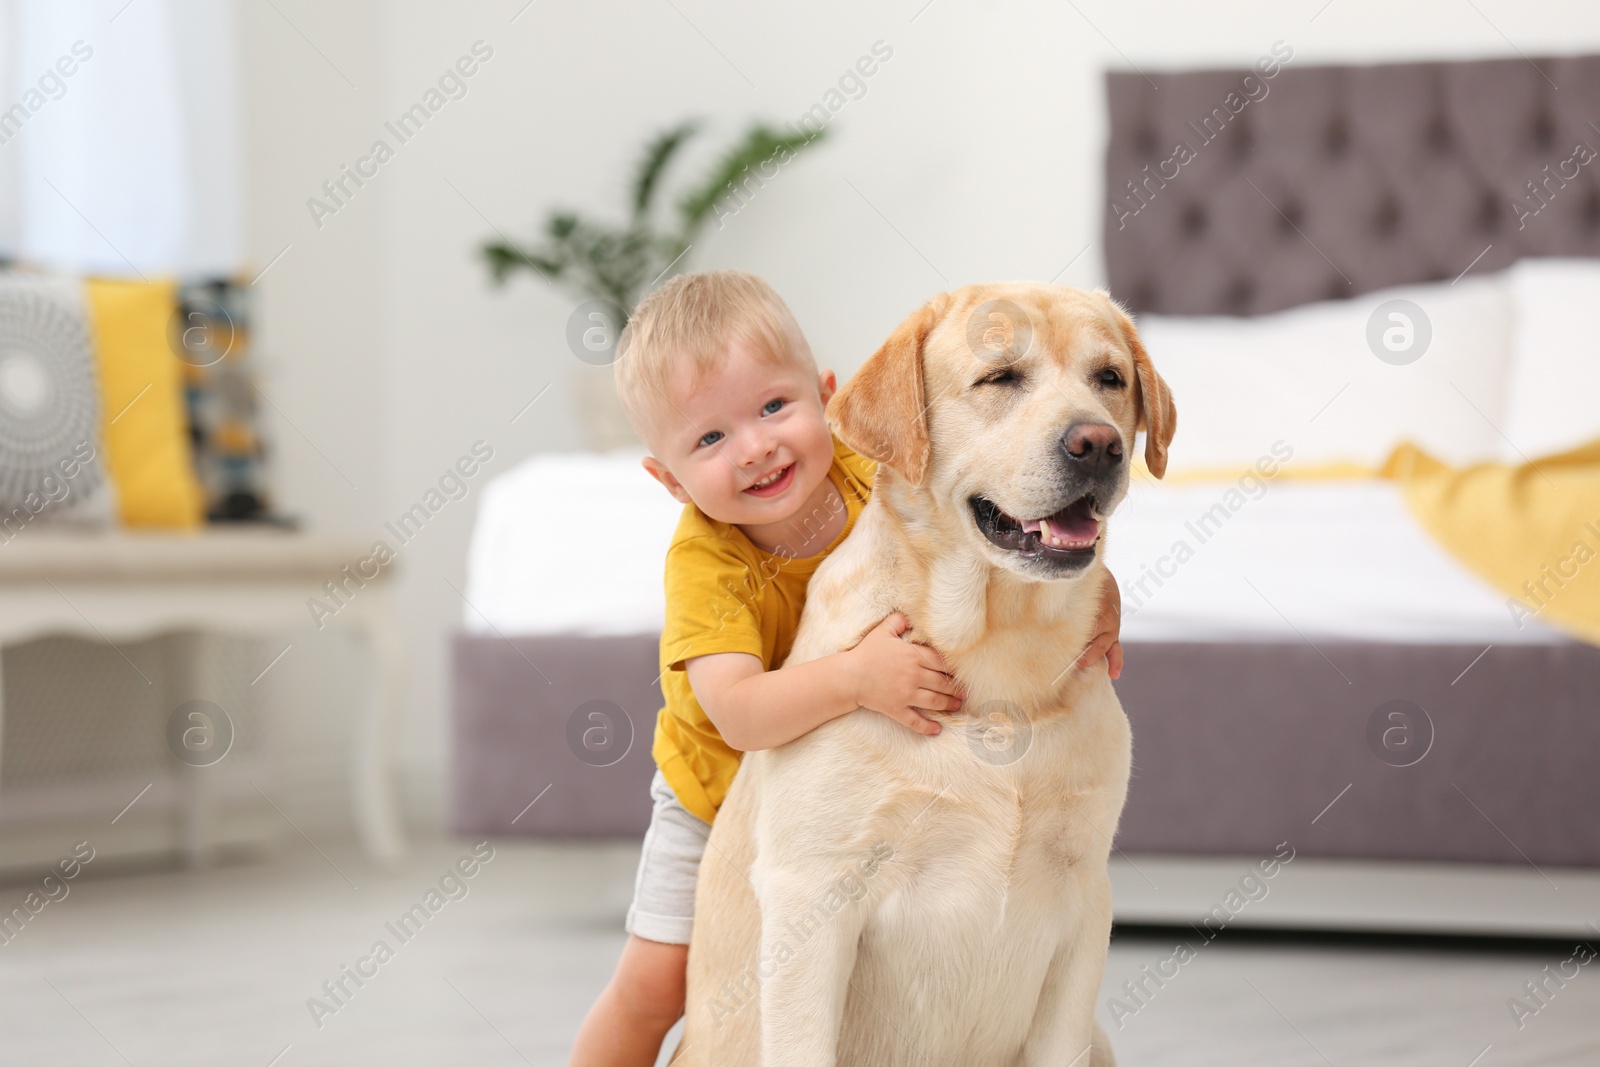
757 447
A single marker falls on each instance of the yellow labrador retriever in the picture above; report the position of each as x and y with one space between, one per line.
874 897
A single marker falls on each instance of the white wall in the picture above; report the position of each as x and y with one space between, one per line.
974 155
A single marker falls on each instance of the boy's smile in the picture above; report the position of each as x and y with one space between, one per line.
749 446
773 484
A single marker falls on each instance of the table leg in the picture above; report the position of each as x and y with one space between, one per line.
376 810
199 806
197 819
2 712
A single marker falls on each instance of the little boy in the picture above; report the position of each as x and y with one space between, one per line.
721 386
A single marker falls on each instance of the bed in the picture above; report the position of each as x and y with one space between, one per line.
1312 666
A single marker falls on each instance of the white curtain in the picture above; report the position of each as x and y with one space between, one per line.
119 136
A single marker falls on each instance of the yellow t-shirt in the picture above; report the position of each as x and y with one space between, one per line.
726 595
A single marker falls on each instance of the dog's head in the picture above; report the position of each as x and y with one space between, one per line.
1014 406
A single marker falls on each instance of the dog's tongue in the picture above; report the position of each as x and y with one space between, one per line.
1072 527
1069 524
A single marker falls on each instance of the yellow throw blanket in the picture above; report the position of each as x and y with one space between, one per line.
1532 531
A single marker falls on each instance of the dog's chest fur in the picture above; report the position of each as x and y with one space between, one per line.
995 812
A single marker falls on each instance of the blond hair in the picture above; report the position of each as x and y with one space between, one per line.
687 324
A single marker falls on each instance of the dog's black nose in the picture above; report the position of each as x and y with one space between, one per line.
1094 447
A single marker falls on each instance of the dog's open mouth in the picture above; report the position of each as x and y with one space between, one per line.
1070 533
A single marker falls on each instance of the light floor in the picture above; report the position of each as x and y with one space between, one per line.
216 968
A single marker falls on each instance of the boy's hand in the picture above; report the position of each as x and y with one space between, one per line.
900 679
1108 628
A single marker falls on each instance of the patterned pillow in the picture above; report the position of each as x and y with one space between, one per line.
210 334
50 445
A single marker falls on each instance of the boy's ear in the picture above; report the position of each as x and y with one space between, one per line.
881 412
827 385
659 472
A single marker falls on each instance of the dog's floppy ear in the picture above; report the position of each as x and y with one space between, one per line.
1158 418
881 412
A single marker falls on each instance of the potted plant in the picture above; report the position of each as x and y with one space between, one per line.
610 266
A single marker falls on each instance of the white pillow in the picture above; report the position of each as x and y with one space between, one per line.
1554 386
570 543
1309 377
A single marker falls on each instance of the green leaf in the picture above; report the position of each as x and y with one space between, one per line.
657 155
505 259
561 224
761 143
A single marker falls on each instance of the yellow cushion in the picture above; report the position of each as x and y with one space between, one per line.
142 420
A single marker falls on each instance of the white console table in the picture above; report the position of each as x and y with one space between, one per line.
121 586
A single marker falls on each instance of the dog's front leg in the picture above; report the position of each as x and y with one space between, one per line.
808 953
1064 1032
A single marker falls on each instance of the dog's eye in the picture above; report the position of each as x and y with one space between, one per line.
1000 376
1109 377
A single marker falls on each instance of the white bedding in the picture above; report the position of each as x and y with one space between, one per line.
548 556
1313 559
1335 559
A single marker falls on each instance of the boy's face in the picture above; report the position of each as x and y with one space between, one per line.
743 424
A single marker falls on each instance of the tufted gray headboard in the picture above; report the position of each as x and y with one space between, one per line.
1327 182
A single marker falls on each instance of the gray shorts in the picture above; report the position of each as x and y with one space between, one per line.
663 890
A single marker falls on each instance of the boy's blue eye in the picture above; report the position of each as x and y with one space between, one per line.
772 407
711 437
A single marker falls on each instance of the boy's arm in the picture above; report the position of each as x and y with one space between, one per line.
755 709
